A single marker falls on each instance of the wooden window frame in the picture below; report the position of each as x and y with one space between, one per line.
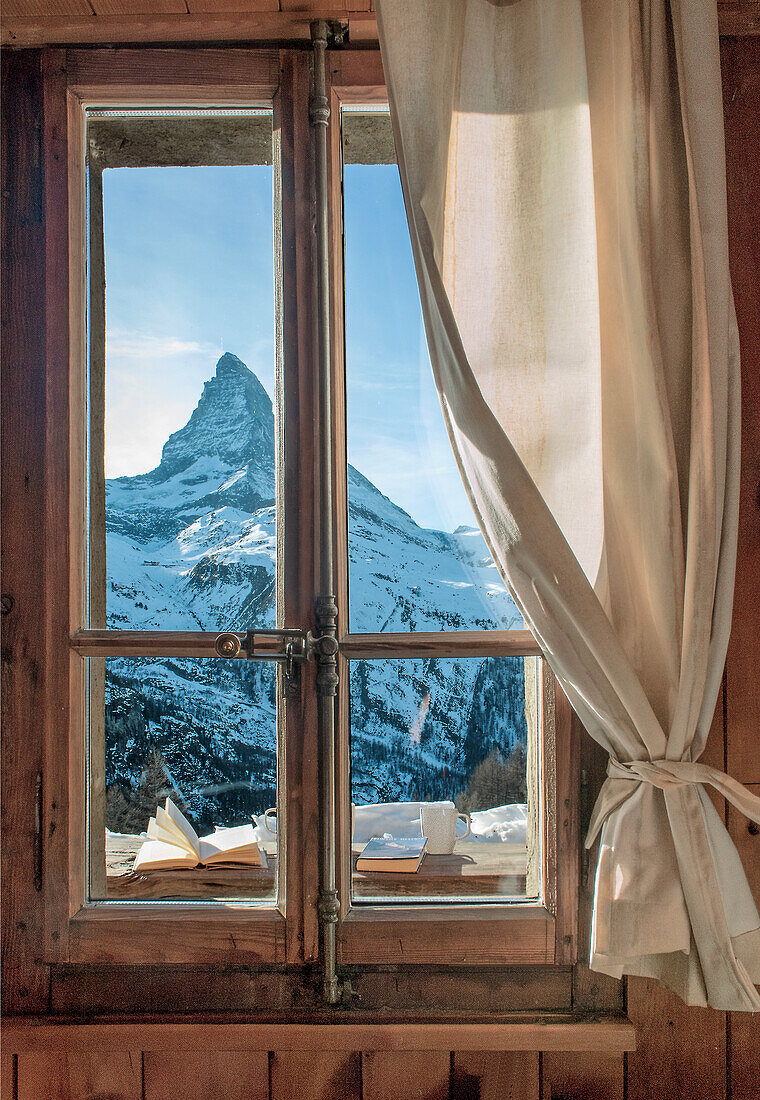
78 931
470 933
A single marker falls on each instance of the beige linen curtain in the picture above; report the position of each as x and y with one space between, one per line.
563 171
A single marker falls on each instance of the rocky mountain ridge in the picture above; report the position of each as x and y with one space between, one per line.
192 545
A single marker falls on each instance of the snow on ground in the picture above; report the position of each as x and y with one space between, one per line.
502 824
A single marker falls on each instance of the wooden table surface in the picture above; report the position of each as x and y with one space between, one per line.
474 869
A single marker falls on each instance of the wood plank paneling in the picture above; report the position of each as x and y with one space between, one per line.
206 1075
79 1076
137 7
196 7
44 9
585 1077
418 1075
25 982
744 1027
743 1081
495 1075
32 1034
7 1075
741 101
315 1076
685 1047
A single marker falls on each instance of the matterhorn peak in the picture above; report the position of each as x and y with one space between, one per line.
233 423
229 364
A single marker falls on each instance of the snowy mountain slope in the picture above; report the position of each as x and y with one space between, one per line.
191 545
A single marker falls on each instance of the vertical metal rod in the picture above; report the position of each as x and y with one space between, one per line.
326 609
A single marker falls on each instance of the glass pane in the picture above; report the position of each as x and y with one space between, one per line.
417 560
199 731
435 736
182 371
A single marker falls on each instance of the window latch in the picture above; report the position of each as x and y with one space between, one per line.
298 647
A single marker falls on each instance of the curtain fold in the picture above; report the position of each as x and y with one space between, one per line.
564 180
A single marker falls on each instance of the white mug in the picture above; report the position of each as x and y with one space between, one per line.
262 829
439 825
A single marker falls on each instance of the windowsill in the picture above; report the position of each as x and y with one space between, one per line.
613 1035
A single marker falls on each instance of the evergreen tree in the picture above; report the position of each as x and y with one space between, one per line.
496 781
130 812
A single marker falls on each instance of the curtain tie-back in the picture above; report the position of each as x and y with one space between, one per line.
666 774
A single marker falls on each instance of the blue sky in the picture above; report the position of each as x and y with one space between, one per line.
189 274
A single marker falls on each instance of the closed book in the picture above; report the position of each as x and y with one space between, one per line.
400 854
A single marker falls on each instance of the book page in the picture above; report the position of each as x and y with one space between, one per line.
236 844
156 855
167 820
167 836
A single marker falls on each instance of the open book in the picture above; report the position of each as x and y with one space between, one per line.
173 843
403 854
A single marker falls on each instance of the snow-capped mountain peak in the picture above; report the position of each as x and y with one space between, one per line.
192 545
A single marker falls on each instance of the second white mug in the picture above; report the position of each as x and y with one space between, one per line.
439 825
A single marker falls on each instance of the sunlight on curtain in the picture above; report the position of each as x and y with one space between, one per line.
564 179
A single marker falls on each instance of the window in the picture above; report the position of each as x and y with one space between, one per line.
195 510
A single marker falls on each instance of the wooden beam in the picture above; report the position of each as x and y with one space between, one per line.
613 1036
216 26
208 21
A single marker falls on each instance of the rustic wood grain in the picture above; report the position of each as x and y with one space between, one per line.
562 793
612 1036
45 9
315 1076
50 22
95 615
154 643
744 1027
80 1076
462 643
451 992
63 866
685 1047
416 1075
202 1074
739 18
25 981
176 935
242 75
741 100
215 989
8 1070
332 8
495 1075
593 1076
196 7
340 492
137 7
144 27
472 868
297 584
743 1074
464 937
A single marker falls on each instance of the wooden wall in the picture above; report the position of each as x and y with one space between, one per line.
681 1053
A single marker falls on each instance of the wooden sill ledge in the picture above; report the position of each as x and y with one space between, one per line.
613 1035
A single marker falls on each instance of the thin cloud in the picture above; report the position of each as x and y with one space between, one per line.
140 345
